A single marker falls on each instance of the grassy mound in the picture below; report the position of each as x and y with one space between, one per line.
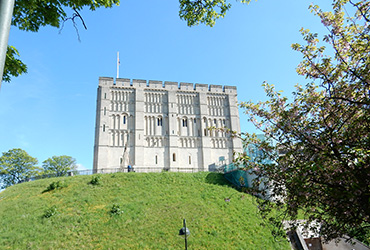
131 211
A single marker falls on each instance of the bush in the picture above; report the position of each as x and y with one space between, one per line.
55 185
95 180
116 210
50 212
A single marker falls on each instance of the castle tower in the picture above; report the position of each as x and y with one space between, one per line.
159 125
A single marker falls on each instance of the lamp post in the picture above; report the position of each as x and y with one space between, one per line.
6 12
185 231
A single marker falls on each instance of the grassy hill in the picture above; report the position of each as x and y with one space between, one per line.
131 211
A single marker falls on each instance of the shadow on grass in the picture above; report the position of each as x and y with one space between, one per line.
217 179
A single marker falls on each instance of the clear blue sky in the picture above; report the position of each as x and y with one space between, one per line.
51 110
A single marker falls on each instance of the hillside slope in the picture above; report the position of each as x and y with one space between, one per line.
148 209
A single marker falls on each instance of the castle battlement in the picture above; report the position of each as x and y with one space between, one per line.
166 85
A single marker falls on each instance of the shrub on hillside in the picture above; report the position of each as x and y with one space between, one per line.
55 185
116 210
50 212
95 180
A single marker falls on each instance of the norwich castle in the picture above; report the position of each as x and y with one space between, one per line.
156 126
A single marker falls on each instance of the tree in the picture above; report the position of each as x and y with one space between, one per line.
17 166
203 11
321 160
59 165
30 15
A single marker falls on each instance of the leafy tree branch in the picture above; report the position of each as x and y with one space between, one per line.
318 144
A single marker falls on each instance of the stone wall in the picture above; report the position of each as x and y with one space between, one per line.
164 124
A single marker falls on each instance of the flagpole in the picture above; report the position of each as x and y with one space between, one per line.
118 63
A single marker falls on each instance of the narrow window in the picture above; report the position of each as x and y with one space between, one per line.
156 160
124 119
189 160
159 122
205 132
184 122
173 157
103 127
105 95
214 121
105 111
195 120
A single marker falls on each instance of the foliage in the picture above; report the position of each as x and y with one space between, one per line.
13 65
59 165
51 211
154 206
55 185
322 136
31 15
17 166
95 180
204 11
116 210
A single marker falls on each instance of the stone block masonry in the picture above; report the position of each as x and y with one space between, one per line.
162 125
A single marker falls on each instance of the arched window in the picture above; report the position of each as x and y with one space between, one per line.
159 121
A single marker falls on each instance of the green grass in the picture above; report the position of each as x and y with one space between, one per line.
131 211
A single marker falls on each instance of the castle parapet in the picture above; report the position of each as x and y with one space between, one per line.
171 85
139 83
186 86
201 87
124 82
104 81
167 85
215 88
230 89
155 84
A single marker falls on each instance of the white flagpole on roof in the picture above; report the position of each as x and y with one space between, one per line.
118 63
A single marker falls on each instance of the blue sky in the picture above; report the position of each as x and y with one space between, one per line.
51 110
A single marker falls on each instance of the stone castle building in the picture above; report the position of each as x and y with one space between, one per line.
156 125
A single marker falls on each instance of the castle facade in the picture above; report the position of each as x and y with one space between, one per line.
157 125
